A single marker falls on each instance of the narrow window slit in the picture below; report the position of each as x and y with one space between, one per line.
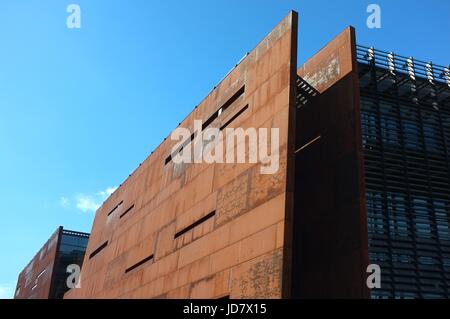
230 101
215 115
195 224
234 117
169 158
40 274
99 249
117 206
143 261
127 211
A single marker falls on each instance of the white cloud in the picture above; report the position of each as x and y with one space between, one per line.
107 192
89 202
6 291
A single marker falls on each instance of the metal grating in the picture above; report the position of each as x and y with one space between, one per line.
305 92
75 233
405 120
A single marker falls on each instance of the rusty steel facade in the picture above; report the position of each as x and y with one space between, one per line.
228 231
207 230
45 275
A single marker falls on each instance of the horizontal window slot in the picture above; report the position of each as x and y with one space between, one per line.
143 261
99 249
215 115
127 211
195 224
40 274
230 101
234 117
169 158
113 210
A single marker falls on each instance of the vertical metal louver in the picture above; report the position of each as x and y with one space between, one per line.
405 119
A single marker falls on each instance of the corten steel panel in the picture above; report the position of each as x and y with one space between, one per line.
239 251
330 238
35 280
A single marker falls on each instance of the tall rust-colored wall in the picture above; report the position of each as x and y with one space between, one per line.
244 250
32 286
330 238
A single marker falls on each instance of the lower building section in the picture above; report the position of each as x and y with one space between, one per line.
45 277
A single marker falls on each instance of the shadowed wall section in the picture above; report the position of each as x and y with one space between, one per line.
330 238
45 276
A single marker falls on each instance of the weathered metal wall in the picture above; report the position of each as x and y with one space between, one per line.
239 242
330 238
35 280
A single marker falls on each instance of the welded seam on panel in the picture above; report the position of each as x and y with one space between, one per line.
308 144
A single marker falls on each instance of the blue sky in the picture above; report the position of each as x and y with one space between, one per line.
81 108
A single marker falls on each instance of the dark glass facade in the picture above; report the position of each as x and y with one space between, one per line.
405 120
71 251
